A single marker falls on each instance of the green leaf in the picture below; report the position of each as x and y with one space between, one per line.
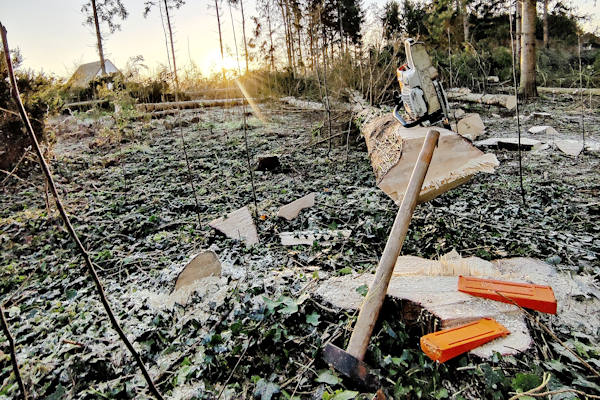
582 382
344 395
265 389
362 290
524 382
345 271
290 305
441 394
328 377
313 319
271 305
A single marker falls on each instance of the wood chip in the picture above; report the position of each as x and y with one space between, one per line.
542 130
470 126
291 210
309 237
237 225
569 147
200 266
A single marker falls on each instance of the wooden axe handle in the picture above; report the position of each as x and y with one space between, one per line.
369 311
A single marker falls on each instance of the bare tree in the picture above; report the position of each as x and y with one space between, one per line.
545 23
528 60
167 4
106 11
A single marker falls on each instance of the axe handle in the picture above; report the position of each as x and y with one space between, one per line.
369 311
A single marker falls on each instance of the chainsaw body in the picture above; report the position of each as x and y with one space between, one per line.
422 96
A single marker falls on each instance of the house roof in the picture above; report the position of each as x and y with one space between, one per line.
86 72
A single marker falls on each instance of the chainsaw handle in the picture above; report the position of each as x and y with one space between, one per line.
401 120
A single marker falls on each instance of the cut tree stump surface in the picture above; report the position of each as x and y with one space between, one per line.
439 295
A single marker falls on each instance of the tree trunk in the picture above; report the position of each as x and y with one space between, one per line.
99 38
220 39
528 85
465 19
287 37
272 49
244 33
519 8
172 48
545 24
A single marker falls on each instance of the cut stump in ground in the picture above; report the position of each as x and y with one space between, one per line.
437 292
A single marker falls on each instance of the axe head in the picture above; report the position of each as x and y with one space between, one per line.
350 366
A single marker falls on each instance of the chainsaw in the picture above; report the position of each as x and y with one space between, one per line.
421 93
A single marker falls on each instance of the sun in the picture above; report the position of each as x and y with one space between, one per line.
212 63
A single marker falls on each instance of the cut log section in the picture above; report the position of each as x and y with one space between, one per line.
393 151
502 100
437 292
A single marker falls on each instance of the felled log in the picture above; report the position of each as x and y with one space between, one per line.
557 90
503 100
182 105
393 151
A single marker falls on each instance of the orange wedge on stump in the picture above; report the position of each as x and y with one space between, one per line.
449 343
527 295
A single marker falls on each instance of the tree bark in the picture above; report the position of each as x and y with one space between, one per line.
99 38
244 33
519 9
220 39
172 48
272 49
528 85
465 19
545 21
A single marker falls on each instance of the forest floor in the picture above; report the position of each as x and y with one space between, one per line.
257 331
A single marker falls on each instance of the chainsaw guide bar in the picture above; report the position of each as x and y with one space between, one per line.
527 295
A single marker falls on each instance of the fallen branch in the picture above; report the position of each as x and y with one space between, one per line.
82 251
11 345
558 90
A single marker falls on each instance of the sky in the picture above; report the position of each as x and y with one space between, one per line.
53 39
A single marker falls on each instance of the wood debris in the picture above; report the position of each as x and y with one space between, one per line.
309 237
569 147
542 129
512 143
470 126
202 265
237 225
291 210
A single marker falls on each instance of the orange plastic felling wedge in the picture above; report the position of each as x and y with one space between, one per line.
449 343
527 295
